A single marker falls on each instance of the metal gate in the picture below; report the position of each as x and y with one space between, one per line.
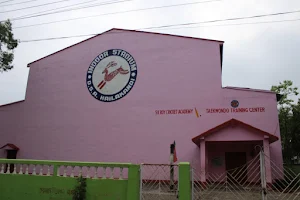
247 182
285 184
159 182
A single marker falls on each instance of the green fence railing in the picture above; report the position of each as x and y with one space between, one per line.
40 179
57 180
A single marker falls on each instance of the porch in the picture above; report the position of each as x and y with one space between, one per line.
232 150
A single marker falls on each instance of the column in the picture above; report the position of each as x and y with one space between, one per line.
267 160
202 160
133 187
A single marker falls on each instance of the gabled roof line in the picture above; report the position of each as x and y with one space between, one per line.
28 65
118 29
232 121
167 34
12 103
14 147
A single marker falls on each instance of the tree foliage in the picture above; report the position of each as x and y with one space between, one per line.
286 89
7 45
289 119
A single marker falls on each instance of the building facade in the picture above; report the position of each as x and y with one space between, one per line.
125 96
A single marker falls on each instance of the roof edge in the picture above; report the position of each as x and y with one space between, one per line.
119 29
8 104
28 65
221 57
167 34
14 147
248 89
235 121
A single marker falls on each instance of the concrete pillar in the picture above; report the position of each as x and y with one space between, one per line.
133 186
267 160
203 160
185 181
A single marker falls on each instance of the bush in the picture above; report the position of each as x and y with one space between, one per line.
80 189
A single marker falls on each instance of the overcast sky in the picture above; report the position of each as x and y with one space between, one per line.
255 55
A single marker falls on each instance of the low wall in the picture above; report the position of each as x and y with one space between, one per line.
55 180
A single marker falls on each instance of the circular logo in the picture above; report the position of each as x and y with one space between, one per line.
234 103
111 75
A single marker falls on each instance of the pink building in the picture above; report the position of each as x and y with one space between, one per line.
125 96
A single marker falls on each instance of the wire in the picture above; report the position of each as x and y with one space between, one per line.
57 38
77 8
34 6
265 22
18 3
67 37
113 13
222 20
95 5
6 1
57 8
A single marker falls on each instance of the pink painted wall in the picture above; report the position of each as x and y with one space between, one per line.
236 133
60 120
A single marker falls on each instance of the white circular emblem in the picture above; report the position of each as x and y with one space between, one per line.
111 75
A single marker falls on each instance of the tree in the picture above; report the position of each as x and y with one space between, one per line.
7 44
295 129
287 90
289 119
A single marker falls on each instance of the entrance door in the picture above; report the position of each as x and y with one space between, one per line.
236 167
11 154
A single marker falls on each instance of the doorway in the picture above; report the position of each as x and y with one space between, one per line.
236 167
11 154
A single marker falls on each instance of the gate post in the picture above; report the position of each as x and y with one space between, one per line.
184 181
141 180
133 187
263 176
192 179
267 160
